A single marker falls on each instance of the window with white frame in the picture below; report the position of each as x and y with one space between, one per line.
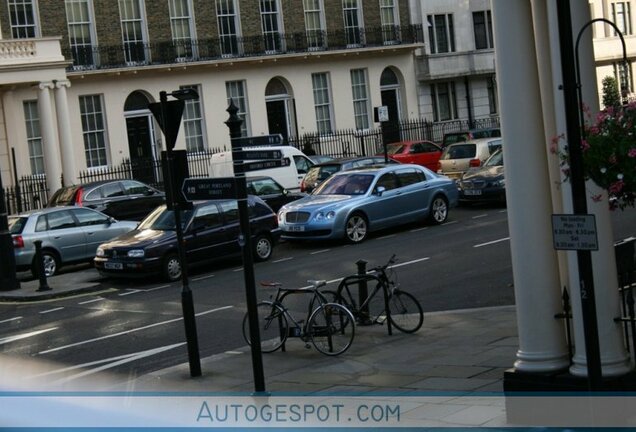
352 22
271 25
482 26
624 77
622 17
314 23
22 19
227 18
133 30
322 102
492 94
93 130
360 91
193 122
181 24
444 101
81 28
235 91
34 136
441 33
389 20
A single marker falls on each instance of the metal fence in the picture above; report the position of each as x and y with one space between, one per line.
626 268
30 193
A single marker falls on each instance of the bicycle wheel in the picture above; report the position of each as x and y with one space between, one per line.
406 312
272 325
331 328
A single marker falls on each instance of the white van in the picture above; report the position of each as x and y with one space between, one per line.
288 176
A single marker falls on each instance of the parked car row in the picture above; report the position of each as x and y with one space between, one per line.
348 199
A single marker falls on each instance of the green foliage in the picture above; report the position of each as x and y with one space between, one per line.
611 95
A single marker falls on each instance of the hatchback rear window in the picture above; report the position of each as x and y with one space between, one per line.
460 151
17 224
64 196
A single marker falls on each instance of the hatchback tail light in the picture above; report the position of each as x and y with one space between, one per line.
18 242
78 197
302 186
475 163
275 221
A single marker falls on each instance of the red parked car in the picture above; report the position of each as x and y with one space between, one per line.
423 153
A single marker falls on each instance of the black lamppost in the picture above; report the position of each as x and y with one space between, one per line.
169 113
8 278
245 240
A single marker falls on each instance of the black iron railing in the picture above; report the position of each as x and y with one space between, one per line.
30 193
182 51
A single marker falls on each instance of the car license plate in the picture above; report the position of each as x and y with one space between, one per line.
472 192
296 228
113 266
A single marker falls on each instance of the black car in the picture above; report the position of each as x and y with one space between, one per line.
210 230
270 191
121 199
321 172
486 183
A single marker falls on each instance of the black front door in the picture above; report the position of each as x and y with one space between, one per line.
140 147
277 118
390 129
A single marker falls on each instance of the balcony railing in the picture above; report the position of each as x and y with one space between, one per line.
168 52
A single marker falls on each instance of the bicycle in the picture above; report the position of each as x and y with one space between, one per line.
329 326
401 309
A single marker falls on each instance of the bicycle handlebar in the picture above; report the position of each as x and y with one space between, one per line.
390 262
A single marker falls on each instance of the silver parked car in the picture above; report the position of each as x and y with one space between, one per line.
68 234
350 204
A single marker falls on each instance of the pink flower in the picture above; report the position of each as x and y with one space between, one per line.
616 187
632 152
585 145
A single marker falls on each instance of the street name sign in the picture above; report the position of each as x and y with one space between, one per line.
209 188
254 141
266 164
246 155
574 232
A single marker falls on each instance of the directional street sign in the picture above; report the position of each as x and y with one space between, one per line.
265 164
262 140
209 188
246 155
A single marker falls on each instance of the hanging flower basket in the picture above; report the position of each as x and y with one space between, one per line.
609 154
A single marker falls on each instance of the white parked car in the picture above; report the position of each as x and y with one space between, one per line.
457 158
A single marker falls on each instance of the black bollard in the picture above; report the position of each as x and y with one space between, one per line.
39 264
363 292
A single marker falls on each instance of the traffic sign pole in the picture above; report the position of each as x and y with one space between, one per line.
245 241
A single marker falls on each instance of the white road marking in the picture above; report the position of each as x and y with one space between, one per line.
202 277
503 211
129 292
450 223
319 252
233 352
491 242
410 262
24 335
238 269
129 331
386 237
419 229
158 288
51 310
11 319
283 259
106 363
91 301
480 216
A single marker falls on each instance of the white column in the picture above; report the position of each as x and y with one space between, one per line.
614 357
64 127
49 139
542 345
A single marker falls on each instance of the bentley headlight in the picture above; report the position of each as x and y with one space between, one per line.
136 253
499 183
325 215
